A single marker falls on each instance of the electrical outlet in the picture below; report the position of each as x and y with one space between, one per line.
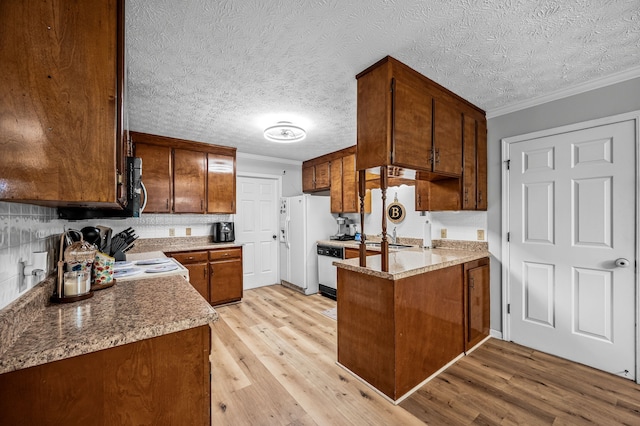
443 233
480 234
188 231
172 232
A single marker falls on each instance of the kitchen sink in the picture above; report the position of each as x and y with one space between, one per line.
391 245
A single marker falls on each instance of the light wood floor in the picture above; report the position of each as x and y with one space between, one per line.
273 363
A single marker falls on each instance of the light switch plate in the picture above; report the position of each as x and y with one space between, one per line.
480 234
188 231
443 233
172 232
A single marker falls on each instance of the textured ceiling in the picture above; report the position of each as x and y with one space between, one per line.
221 71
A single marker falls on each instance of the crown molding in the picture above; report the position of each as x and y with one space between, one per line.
597 83
267 159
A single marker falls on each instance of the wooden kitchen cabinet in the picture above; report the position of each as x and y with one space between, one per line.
216 274
343 182
164 380
201 177
157 170
352 253
344 185
316 177
61 103
197 262
481 165
476 302
189 180
474 180
408 121
225 282
221 183
395 333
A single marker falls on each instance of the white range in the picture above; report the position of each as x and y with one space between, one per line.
148 265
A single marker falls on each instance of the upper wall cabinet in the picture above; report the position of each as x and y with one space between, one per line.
186 177
316 177
60 102
221 182
408 121
343 180
157 172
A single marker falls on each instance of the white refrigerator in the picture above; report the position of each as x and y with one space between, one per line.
304 219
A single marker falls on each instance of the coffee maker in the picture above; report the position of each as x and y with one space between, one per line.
223 232
344 229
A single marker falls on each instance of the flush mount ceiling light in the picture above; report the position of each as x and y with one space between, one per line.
284 132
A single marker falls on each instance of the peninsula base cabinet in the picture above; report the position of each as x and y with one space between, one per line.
216 274
476 302
395 333
165 380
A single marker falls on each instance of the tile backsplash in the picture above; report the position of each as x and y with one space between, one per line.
26 228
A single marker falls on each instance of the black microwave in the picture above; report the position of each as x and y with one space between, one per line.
133 199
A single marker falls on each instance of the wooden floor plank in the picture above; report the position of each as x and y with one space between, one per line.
273 363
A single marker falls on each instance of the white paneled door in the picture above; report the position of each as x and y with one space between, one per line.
256 228
571 222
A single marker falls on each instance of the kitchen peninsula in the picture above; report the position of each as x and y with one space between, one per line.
396 328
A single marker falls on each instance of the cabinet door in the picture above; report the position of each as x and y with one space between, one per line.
422 195
336 192
411 142
476 302
221 184
308 179
469 166
322 176
481 162
350 199
156 171
447 122
225 281
189 179
199 277
60 101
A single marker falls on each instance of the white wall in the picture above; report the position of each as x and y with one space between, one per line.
460 225
289 170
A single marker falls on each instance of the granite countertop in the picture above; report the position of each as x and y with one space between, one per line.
414 260
127 312
170 245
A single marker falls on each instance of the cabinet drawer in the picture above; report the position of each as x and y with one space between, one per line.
225 254
191 257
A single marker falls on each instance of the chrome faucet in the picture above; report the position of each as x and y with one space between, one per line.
393 236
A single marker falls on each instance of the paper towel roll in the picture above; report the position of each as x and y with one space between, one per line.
426 235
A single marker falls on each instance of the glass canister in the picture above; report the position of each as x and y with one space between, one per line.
79 257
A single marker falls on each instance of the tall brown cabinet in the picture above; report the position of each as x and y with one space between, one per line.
61 102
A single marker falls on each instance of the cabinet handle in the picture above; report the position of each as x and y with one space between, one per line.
419 200
437 155
190 258
466 196
167 204
479 196
471 283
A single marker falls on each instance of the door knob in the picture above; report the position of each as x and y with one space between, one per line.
274 236
622 262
